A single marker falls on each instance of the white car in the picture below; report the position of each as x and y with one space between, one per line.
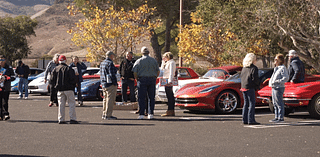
213 75
38 86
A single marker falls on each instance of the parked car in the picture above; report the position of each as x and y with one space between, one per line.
39 86
34 73
223 97
187 76
296 95
184 73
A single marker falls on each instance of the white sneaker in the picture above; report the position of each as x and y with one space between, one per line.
19 97
150 116
26 98
141 117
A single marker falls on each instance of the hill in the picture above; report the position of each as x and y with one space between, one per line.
51 32
23 7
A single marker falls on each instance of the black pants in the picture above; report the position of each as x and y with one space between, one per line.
53 95
170 97
4 102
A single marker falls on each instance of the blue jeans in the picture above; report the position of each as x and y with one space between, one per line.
23 83
277 100
248 109
146 87
170 97
124 86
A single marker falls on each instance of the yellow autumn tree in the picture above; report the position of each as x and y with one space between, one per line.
197 40
111 29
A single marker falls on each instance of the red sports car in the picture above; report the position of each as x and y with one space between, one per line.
223 97
298 95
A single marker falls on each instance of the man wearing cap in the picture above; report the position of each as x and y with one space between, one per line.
296 68
53 92
23 72
109 84
5 87
64 81
146 71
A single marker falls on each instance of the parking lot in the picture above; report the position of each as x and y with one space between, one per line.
33 131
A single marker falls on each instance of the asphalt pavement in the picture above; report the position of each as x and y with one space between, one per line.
33 130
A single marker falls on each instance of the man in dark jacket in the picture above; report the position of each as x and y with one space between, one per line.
53 92
127 77
8 76
64 81
23 72
296 68
79 66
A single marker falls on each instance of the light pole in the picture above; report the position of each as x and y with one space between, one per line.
180 58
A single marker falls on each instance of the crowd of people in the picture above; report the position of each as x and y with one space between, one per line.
64 79
250 83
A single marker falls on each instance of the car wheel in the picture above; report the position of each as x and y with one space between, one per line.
227 102
99 94
314 107
271 107
287 110
100 97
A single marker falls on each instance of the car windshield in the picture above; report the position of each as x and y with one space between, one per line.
263 75
215 73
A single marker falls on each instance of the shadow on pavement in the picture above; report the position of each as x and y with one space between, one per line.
7 155
80 123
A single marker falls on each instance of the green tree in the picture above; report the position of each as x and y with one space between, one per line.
13 36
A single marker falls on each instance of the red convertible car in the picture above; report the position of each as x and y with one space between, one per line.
305 94
223 97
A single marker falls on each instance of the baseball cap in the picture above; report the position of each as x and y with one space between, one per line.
144 50
62 58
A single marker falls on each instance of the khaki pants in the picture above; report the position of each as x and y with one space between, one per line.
63 98
109 100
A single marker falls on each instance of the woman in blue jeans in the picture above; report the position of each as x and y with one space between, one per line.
279 77
250 82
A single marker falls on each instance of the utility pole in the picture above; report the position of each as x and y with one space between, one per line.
180 58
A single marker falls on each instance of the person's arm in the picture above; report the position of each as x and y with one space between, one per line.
296 71
47 71
255 78
102 75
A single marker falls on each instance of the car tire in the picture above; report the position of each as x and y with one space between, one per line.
99 94
314 107
287 110
227 102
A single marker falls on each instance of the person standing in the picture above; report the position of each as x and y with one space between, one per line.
279 77
7 76
127 77
109 84
146 71
64 81
79 66
169 68
249 84
23 72
296 68
53 92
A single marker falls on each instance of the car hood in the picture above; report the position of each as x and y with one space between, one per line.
37 81
291 89
194 89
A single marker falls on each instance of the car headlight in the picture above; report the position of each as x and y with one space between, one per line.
209 89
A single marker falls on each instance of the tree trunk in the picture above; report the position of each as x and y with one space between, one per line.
156 47
168 31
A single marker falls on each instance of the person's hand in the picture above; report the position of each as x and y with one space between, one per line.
45 81
132 79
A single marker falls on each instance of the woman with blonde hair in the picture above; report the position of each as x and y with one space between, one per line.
249 84
169 68
279 77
